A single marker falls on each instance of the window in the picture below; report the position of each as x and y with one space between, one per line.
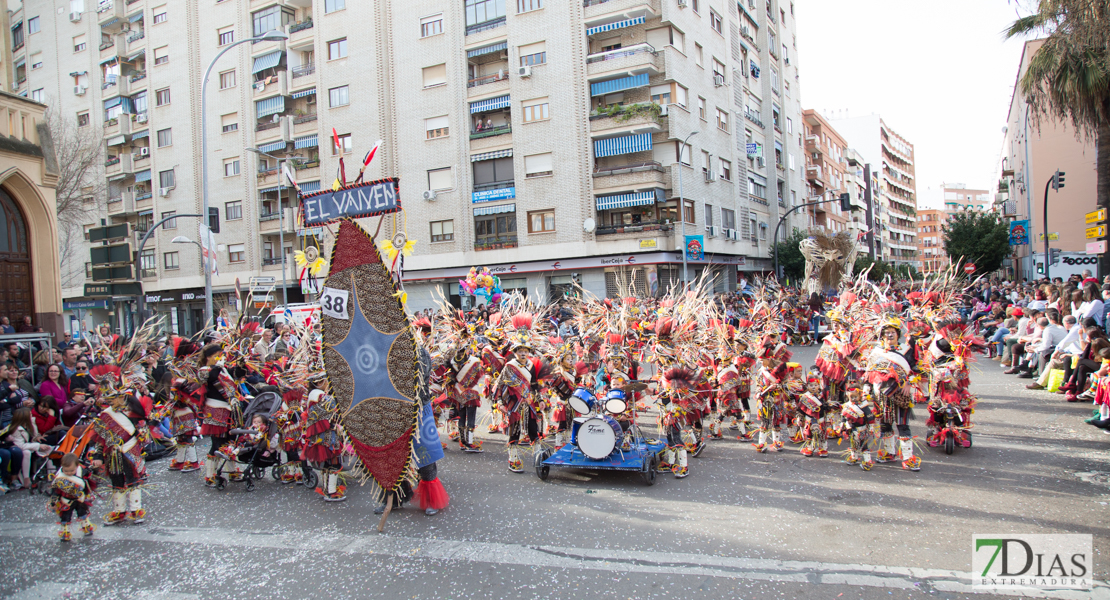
337 49
682 153
726 169
172 223
535 110
480 11
661 94
494 171
227 80
162 97
443 231
82 119
339 96
523 6
699 55
756 189
706 162
37 95
436 127
490 229
331 6
718 70
230 122
708 216
166 179
541 221
538 165
722 120
441 179
344 144
231 167
715 21
36 61
233 211
171 261
701 108
432 25
160 17
161 55
789 125
78 43
165 137
728 218
533 54
696 5
33 25
226 36
667 36
269 19
688 212
435 75
236 253
148 263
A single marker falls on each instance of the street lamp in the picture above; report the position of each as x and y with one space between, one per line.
184 240
271 36
281 221
682 205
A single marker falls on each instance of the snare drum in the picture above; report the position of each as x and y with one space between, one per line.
582 401
598 436
616 402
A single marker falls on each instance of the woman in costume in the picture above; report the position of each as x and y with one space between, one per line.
891 377
119 436
221 411
321 442
513 390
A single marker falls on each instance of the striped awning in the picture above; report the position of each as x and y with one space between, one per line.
487 49
142 176
20 61
626 144
490 104
269 106
615 85
110 59
266 61
113 102
310 141
273 146
308 187
612 26
135 55
303 93
494 210
135 17
778 145
110 22
625 200
138 135
116 140
269 189
491 155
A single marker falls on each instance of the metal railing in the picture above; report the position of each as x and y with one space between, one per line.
621 53
493 243
496 185
300 26
649 165
483 80
479 27
302 70
304 119
267 125
491 131
642 226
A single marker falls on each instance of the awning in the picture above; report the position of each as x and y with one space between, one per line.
612 26
110 22
494 210
310 141
491 155
778 145
116 140
756 177
625 200
269 189
487 49
269 106
135 17
616 85
138 135
303 93
110 59
142 176
135 55
308 187
266 61
20 61
273 146
491 104
112 102
622 145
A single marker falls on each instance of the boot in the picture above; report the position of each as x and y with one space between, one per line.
667 460
178 461
472 446
853 457
336 491
681 469
715 430
119 508
135 506
453 429
761 445
191 462
63 533
515 464
807 449
87 527
866 463
742 427
234 470
558 439
909 461
823 449
886 449
776 439
210 470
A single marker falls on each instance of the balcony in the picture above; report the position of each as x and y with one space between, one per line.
299 32
630 118
143 201
304 123
485 26
601 10
487 84
274 84
110 9
135 39
664 227
638 174
633 60
271 223
495 243
815 175
813 144
123 204
753 116
303 70
117 165
111 49
491 132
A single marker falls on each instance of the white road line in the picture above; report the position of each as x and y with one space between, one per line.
50 590
557 557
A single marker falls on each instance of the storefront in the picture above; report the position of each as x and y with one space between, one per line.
80 315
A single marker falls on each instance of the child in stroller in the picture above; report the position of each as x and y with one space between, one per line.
258 447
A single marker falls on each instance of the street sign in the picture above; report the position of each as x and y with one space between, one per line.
1096 232
1096 247
112 273
262 281
112 232
94 290
1052 237
1096 216
106 255
969 268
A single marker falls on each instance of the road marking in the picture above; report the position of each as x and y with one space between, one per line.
50 590
629 561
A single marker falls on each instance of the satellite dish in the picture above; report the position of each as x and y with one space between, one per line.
588 225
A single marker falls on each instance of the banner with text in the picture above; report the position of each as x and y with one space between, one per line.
357 200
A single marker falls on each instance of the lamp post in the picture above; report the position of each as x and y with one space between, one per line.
281 221
682 204
270 36
139 259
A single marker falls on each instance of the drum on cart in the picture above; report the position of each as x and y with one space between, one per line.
582 401
574 427
598 436
616 402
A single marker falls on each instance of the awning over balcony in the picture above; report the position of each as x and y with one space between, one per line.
138 135
113 102
110 22
487 49
622 145
612 26
266 61
490 104
303 93
116 140
308 187
494 210
110 59
273 146
491 155
630 199
135 55
615 85
269 106
269 189
310 141
142 176
135 17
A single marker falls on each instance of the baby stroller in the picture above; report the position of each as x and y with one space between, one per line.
266 404
76 440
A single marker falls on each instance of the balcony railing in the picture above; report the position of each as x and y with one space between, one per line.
476 28
752 116
271 261
304 119
664 226
143 196
649 165
620 53
303 70
138 76
496 185
491 131
138 35
269 216
483 80
268 171
301 26
107 44
111 161
267 125
309 164
508 241
150 273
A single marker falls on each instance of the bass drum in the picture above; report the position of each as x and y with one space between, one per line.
598 436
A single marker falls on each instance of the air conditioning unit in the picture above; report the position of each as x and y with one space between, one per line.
163 192
524 71
730 234
310 99
75 17
141 118
79 90
709 175
745 31
682 3
713 230
145 151
718 79
430 195
760 161
787 59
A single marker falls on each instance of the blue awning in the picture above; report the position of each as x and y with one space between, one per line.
308 187
269 106
273 146
266 61
110 59
127 104
269 189
616 85
494 210
491 104
487 49
778 145
142 176
135 17
612 26
112 102
303 93
625 200
110 22
138 135
622 145
310 141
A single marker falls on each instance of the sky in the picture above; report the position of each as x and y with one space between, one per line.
938 72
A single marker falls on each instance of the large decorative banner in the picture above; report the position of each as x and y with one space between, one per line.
356 200
695 247
1019 233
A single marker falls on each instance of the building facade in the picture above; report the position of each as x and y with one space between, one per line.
930 223
826 174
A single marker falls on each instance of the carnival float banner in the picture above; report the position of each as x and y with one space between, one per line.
356 200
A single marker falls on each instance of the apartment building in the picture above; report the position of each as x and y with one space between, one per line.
893 158
930 222
862 183
549 157
826 174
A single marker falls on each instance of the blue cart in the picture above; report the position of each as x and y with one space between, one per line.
643 457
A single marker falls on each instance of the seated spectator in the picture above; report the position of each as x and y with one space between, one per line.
1040 353
66 342
14 394
26 326
49 426
55 385
42 359
7 329
81 378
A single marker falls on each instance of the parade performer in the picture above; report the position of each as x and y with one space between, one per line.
185 395
858 418
513 391
464 387
813 407
72 493
220 413
773 393
119 436
321 440
889 373
678 399
291 427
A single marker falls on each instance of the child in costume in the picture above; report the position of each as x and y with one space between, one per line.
812 407
858 417
119 436
72 493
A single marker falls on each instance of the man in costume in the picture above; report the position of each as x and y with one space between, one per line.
892 380
321 440
119 436
513 391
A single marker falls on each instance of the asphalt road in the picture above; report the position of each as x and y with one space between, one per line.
742 525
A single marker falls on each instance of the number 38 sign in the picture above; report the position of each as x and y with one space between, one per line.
333 302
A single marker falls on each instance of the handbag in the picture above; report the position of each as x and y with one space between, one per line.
1055 379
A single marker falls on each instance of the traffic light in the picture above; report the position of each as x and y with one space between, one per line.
1058 180
1055 256
846 202
1040 268
214 219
